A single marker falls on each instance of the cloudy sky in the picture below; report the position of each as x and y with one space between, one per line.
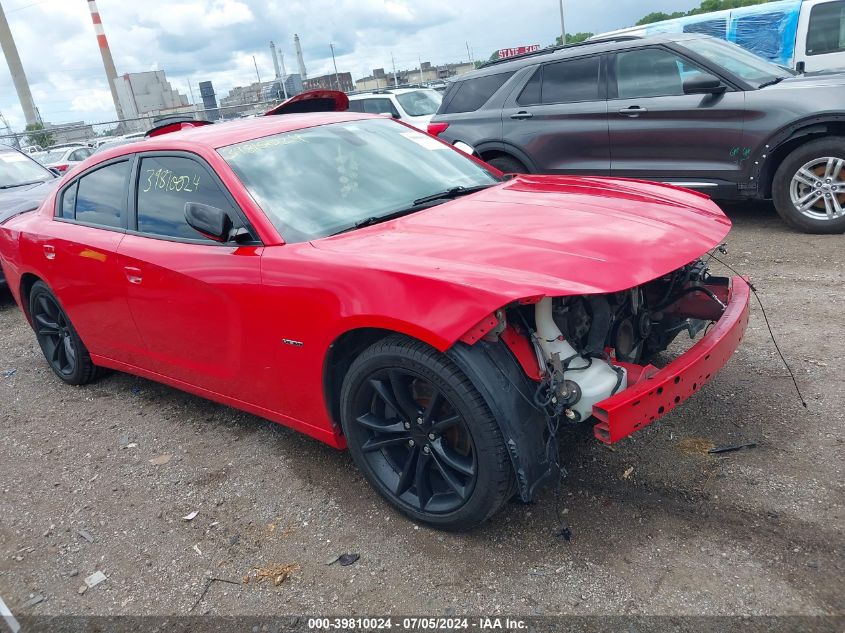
198 40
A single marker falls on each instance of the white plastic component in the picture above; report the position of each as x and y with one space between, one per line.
595 377
467 149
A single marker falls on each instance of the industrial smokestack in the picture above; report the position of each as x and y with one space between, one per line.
16 69
299 57
275 60
105 51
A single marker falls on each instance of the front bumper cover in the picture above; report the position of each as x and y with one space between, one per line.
654 393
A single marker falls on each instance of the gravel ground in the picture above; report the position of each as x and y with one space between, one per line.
756 532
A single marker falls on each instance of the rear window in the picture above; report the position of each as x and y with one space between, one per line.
471 94
826 33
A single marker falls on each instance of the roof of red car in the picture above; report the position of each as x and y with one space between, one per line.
231 132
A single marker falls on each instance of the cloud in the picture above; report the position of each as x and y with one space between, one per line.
198 40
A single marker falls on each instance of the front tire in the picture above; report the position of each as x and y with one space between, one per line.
423 435
64 350
809 187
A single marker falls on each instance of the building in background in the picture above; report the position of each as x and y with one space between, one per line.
73 132
425 74
209 101
149 94
329 82
276 91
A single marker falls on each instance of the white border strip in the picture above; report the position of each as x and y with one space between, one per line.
10 619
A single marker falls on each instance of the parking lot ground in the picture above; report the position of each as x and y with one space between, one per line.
758 531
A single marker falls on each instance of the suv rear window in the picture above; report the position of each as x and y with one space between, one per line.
471 94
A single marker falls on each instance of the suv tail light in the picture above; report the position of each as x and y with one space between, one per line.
435 129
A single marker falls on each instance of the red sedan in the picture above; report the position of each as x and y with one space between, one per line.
373 287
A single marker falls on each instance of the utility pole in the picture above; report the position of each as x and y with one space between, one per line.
395 80
16 69
469 54
258 89
562 26
419 59
334 62
284 74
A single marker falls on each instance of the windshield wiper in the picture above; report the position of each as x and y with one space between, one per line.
771 82
21 184
451 193
417 205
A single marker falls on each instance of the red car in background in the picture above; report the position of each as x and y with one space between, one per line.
371 286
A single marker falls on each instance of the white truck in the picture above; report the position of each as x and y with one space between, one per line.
807 35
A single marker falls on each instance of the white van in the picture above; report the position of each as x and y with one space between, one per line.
807 35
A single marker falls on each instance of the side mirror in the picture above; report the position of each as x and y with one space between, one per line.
701 83
211 222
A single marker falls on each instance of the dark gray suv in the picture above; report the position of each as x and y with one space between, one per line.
687 109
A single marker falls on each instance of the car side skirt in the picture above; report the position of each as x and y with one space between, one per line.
324 435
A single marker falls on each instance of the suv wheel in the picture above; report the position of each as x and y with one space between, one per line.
809 187
508 165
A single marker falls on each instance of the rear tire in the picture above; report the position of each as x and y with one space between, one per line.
508 165
809 187
63 349
423 435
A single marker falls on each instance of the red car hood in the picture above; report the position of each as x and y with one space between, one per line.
548 235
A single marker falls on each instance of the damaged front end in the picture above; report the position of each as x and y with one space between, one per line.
549 361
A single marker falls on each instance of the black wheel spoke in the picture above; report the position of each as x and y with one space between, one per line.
431 409
448 459
46 327
47 307
385 392
406 475
441 425
421 480
402 392
380 425
449 476
379 443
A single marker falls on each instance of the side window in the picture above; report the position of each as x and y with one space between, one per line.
356 105
826 32
101 196
651 72
571 80
80 154
530 95
165 184
380 106
68 207
471 94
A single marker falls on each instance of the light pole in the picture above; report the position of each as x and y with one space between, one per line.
562 26
336 78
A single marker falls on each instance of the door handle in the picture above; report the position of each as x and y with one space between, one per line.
49 251
633 111
133 274
522 115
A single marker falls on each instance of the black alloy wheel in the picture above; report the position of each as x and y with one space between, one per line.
67 355
415 441
423 436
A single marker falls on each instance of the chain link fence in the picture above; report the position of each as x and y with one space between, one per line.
104 131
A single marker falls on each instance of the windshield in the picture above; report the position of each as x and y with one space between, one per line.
17 169
420 102
318 181
745 65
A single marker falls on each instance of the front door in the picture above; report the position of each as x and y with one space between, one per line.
559 118
193 299
659 133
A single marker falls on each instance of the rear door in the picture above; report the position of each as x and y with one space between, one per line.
80 259
194 300
559 118
657 132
